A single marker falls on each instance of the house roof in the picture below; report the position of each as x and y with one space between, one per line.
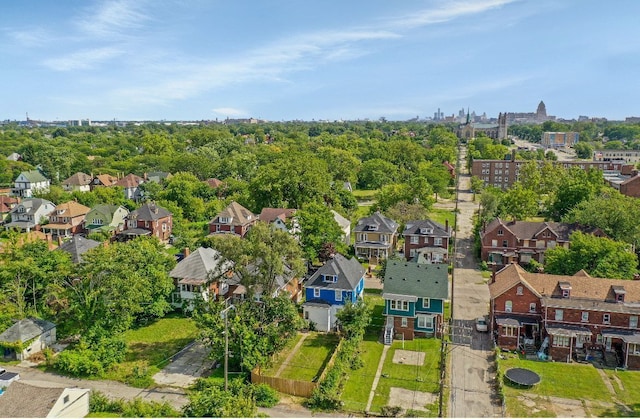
14 157
106 210
342 222
198 265
414 228
348 271
26 329
149 212
71 209
31 205
78 246
22 400
527 230
632 179
582 287
269 215
383 224
34 176
77 179
238 214
130 181
415 279
213 182
106 180
157 176
7 203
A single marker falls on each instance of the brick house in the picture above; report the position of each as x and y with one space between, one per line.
376 237
234 219
427 237
505 242
631 186
149 219
66 219
567 317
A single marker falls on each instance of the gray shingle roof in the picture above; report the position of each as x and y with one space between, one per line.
149 212
383 224
31 205
414 227
342 222
34 176
238 214
419 280
22 400
348 271
198 265
26 329
78 246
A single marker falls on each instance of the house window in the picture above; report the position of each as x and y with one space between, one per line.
426 302
425 322
585 316
338 295
509 331
565 293
559 314
437 241
66 399
634 348
494 243
633 322
224 220
606 318
532 307
505 243
561 341
500 232
599 338
415 240
404 322
412 252
620 298
399 305
508 305
316 292
330 278
519 290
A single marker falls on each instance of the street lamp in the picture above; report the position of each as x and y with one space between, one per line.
224 315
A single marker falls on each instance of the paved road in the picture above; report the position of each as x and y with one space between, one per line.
472 370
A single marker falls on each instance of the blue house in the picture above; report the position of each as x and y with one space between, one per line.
339 280
414 296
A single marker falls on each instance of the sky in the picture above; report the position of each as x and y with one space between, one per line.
316 59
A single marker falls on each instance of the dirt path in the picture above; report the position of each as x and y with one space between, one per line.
293 352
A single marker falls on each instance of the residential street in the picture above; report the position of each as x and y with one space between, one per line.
472 371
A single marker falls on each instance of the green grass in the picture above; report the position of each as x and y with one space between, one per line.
441 215
358 385
629 394
281 356
365 194
570 381
424 378
377 319
149 347
310 360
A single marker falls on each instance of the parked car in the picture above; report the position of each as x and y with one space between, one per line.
481 324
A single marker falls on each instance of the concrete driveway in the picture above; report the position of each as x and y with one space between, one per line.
187 366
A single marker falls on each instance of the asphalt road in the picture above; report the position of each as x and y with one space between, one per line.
472 370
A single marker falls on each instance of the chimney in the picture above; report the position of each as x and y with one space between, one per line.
186 252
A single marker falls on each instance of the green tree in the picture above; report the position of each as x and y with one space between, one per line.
575 186
376 173
209 399
601 257
583 150
519 203
317 228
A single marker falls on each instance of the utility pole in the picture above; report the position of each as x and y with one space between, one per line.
442 371
225 314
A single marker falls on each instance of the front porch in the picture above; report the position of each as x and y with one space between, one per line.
373 251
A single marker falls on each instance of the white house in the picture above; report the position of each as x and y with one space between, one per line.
39 334
29 213
30 182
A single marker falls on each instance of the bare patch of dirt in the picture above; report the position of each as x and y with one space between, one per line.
409 399
402 356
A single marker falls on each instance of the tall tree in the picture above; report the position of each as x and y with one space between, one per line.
317 228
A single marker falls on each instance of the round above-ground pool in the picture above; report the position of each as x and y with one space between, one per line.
522 376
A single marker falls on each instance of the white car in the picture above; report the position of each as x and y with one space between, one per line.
481 324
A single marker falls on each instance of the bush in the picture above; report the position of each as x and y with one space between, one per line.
484 266
79 363
265 395
390 411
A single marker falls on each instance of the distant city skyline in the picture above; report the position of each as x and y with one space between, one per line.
317 60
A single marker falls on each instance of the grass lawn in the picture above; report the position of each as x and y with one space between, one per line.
312 357
424 378
358 385
149 347
557 379
281 356
365 194
441 215
377 319
629 393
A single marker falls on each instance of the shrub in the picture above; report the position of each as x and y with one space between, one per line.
484 266
390 411
265 395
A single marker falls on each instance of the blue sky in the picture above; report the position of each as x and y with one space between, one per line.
317 59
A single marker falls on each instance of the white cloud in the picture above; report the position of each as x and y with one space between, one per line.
82 60
231 112
113 19
34 37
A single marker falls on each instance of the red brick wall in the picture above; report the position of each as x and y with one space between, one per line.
519 303
558 354
595 324
421 243
632 188
633 362
398 329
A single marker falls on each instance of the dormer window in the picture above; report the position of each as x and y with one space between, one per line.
500 232
60 211
225 220
372 227
619 292
330 278
426 230
565 287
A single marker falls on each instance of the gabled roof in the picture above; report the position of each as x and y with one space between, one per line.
238 214
269 215
108 210
7 203
26 329
21 400
130 181
342 222
529 230
213 182
384 224
418 280
32 205
199 264
547 285
34 176
77 179
348 271
414 228
149 212
71 209
105 179
78 246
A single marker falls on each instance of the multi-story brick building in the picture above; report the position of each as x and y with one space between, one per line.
559 139
567 317
428 238
504 242
504 173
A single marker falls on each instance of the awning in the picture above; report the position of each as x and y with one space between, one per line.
626 337
517 321
20 224
569 331
371 245
136 232
401 297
